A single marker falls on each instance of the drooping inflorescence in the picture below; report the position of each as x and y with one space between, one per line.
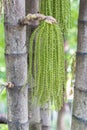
46 64
46 54
59 9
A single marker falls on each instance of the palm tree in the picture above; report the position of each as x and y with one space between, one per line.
33 110
79 119
48 61
16 65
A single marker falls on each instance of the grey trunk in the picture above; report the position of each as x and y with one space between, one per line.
61 122
46 118
32 6
16 65
37 118
79 120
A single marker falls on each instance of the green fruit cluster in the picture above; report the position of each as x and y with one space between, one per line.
46 65
59 9
46 54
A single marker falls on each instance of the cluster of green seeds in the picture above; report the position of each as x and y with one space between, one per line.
46 64
59 9
46 54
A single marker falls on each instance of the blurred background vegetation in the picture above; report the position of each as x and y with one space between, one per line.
3 101
70 49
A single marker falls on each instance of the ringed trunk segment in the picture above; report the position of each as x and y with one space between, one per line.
79 120
16 65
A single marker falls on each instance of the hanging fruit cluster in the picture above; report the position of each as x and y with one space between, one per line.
46 54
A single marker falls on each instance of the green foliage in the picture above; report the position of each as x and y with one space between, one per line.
3 107
59 9
3 127
46 64
71 44
2 60
2 57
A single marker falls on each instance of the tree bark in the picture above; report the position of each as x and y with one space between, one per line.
16 65
34 111
79 120
46 118
61 125
39 119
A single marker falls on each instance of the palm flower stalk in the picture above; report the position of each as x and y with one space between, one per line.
46 64
59 9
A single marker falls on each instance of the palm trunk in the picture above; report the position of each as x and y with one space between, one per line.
61 124
33 112
46 118
60 121
16 65
79 121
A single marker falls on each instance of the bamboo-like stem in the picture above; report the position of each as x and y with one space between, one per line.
79 119
16 65
33 110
